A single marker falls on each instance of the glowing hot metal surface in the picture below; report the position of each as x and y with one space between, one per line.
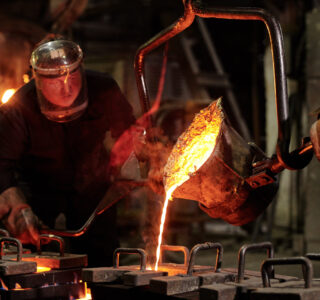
163 219
7 95
42 269
191 151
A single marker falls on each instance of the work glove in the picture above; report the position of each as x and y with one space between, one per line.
154 148
18 217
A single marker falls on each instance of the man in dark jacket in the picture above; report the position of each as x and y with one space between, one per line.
54 137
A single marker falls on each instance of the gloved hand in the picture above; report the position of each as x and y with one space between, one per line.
153 147
18 217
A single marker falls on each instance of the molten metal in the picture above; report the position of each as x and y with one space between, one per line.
194 146
191 151
42 269
7 95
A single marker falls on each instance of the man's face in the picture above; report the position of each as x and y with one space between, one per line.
62 90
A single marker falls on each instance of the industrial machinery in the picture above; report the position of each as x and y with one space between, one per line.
67 276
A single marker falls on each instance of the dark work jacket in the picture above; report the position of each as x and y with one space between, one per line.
62 167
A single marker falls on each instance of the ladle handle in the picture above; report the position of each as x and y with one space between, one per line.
206 246
10 240
51 237
307 268
182 249
242 254
141 252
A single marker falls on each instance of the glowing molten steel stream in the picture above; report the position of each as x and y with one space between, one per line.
191 151
163 219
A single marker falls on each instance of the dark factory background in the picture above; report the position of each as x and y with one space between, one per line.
212 58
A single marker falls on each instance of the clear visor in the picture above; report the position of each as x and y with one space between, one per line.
56 58
60 80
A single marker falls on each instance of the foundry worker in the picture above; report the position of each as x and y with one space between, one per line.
53 154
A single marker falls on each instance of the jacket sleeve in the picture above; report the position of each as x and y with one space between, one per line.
121 116
13 141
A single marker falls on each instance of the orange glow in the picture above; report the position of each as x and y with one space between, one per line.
173 269
3 285
191 151
88 294
42 269
7 95
18 287
163 219
26 78
194 146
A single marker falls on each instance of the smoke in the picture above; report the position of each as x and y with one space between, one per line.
155 152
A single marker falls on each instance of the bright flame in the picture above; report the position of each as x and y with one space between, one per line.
7 95
42 269
88 294
191 151
3 286
18 287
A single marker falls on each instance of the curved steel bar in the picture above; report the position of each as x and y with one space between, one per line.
307 268
10 240
115 193
180 25
242 254
196 8
205 246
4 232
279 74
313 256
51 237
71 233
141 252
182 249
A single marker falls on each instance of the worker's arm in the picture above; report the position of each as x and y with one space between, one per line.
15 213
17 216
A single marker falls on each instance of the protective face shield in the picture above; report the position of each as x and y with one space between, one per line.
60 80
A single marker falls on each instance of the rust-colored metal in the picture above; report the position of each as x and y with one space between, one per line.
242 253
15 265
11 249
173 268
10 240
307 268
34 280
180 25
54 260
206 246
142 253
132 275
51 237
219 185
172 248
59 291
141 278
193 8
